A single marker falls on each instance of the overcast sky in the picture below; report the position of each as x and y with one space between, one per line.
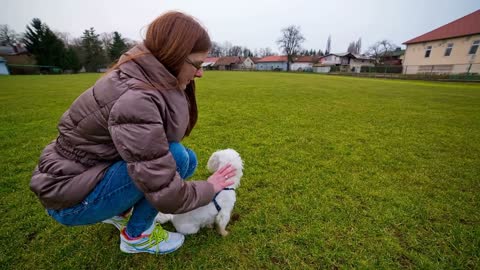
255 24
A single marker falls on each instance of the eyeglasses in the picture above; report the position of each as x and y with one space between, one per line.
197 66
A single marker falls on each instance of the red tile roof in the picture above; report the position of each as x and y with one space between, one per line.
273 58
228 60
306 59
211 59
465 26
255 59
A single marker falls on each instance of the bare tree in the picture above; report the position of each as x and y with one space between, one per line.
290 42
131 43
7 35
264 52
246 52
107 39
227 46
235 51
380 49
64 36
216 50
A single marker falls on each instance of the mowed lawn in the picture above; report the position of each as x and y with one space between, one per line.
339 173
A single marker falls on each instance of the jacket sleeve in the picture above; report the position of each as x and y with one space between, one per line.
136 126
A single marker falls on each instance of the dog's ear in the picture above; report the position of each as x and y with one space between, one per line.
213 163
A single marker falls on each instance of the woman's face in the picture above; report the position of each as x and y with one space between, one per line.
191 69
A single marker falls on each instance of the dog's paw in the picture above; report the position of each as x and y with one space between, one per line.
163 218
224 233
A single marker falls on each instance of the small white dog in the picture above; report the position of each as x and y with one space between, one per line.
219 210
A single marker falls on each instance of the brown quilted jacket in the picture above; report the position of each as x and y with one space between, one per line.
130 114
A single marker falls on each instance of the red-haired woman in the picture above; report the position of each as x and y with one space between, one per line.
119 143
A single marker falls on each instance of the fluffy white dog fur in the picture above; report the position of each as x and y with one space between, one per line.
207 216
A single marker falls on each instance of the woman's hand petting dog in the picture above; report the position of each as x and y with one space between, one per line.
219 179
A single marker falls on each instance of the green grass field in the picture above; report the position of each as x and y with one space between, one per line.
339 173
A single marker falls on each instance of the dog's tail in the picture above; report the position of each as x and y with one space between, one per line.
163 218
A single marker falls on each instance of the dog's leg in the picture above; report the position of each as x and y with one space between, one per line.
221 220
163 218
187 228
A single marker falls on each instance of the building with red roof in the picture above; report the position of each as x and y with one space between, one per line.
273 62
229 63
451 48
303 63
209 62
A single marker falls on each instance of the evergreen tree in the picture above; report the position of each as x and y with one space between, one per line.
33 37
351 47
92 49
47 48
53 50
358 46
118 46
72 60
329 45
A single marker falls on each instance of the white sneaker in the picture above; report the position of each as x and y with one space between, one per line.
154 240
117 221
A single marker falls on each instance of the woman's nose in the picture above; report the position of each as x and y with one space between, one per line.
199 73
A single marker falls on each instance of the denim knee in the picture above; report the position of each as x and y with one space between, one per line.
185 159
192 162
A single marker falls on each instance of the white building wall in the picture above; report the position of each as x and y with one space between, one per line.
301 66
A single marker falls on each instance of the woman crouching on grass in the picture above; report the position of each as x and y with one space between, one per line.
119 143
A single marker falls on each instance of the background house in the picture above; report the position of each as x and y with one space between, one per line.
229 63
303 63
209 62
19 60
321 68
249 64
3 67
394 58
344 62
332 61
451 48
278 63
358 61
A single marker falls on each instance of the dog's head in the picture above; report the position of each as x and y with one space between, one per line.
223 157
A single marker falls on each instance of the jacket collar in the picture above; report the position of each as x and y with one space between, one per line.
146 68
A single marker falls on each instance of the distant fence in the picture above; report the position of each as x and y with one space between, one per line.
461 72
470 68
33 69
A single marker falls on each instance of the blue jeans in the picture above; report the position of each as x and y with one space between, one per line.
116 193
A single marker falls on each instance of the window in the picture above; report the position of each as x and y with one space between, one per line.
427 51
448 51
473 49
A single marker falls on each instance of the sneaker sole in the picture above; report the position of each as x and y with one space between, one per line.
126 249
118 226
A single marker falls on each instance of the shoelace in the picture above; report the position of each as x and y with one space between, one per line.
158 235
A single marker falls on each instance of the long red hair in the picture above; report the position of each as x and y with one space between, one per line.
171 37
